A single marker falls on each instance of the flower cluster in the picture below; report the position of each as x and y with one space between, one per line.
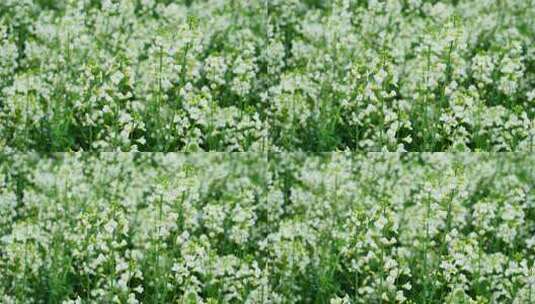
132 228
402 75
257 228
132 75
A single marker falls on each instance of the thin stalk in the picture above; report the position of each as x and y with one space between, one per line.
448 222
426 99
443 98
26 125
356 136
531 142
116 127
383 118
212 126
382 263
157 255
159 99
426 247
112 258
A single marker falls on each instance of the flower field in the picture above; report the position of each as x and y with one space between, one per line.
414 75
257 228
267 151
267 75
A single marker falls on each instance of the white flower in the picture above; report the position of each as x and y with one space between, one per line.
132 299
531 95
117 77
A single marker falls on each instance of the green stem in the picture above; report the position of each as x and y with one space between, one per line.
426 247
159 99
427 129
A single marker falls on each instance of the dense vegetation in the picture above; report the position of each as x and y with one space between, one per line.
258 75
323 97
255 228
132 75
398 75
